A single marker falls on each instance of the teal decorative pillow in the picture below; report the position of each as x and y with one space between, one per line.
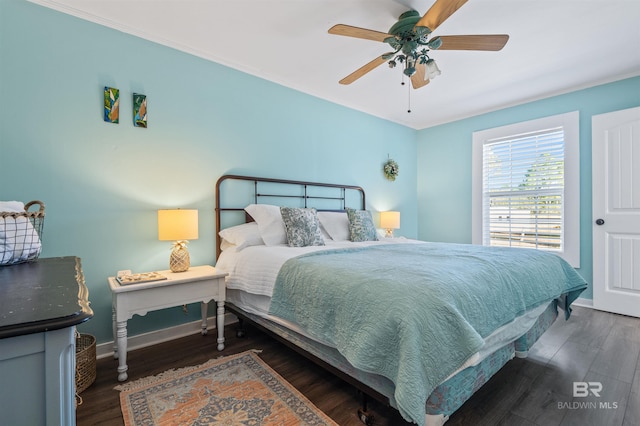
302 227
361 227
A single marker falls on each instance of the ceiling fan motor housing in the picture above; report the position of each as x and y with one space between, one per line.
406 22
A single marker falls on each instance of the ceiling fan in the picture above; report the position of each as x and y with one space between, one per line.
411 42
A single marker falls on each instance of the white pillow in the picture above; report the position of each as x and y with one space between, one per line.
19 240
241 236
325 234
336 224
226 245
269 222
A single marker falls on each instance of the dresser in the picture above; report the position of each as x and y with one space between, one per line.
41 303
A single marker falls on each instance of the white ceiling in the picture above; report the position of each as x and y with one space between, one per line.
555 46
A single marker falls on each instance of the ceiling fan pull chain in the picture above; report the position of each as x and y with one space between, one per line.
409 101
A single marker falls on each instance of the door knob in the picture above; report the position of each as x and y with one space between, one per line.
600 222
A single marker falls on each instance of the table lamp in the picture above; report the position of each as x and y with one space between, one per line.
389 221
178 225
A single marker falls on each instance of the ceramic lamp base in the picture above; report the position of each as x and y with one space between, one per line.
179 260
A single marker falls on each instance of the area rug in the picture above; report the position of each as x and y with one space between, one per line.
234 390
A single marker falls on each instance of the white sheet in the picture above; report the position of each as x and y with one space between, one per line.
255 269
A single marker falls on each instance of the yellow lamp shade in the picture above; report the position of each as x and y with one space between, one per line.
177 225
390 220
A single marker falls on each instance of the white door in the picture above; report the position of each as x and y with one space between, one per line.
616 211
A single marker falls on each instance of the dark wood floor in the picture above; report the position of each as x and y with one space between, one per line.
592 346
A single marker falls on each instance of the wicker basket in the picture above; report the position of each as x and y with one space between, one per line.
85 361
21 234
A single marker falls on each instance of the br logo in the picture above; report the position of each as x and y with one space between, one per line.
583 389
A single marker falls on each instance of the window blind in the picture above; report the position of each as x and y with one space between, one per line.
523 190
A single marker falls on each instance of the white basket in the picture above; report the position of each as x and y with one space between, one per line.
20 234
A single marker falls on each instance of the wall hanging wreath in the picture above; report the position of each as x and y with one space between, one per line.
391 169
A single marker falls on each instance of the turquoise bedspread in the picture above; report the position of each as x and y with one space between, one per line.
415 313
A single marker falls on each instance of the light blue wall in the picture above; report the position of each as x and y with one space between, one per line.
444 162
102 183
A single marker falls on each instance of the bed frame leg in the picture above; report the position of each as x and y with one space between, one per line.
240 330
363 414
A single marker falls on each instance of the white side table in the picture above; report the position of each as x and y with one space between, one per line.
198 284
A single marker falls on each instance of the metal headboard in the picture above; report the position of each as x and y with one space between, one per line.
304 194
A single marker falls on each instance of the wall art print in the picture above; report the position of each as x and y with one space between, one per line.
139 110
111 105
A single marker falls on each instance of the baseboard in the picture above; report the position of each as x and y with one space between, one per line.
585 303
138 341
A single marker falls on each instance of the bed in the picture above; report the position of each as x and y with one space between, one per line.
420 326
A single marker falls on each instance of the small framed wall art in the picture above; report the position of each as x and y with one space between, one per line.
111 105
139 110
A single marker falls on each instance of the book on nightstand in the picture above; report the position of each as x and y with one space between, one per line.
143 277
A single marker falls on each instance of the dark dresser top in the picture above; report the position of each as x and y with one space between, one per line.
47 294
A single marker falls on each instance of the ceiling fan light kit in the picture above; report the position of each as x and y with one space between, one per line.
431 70
410 43
409 39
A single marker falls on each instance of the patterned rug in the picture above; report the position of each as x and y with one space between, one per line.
234 390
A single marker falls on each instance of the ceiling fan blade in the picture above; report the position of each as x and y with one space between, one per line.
492 42
439 12
417 80
363 70
349 31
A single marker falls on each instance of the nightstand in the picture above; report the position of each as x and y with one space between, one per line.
198 284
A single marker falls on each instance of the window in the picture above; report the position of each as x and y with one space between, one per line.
526 186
